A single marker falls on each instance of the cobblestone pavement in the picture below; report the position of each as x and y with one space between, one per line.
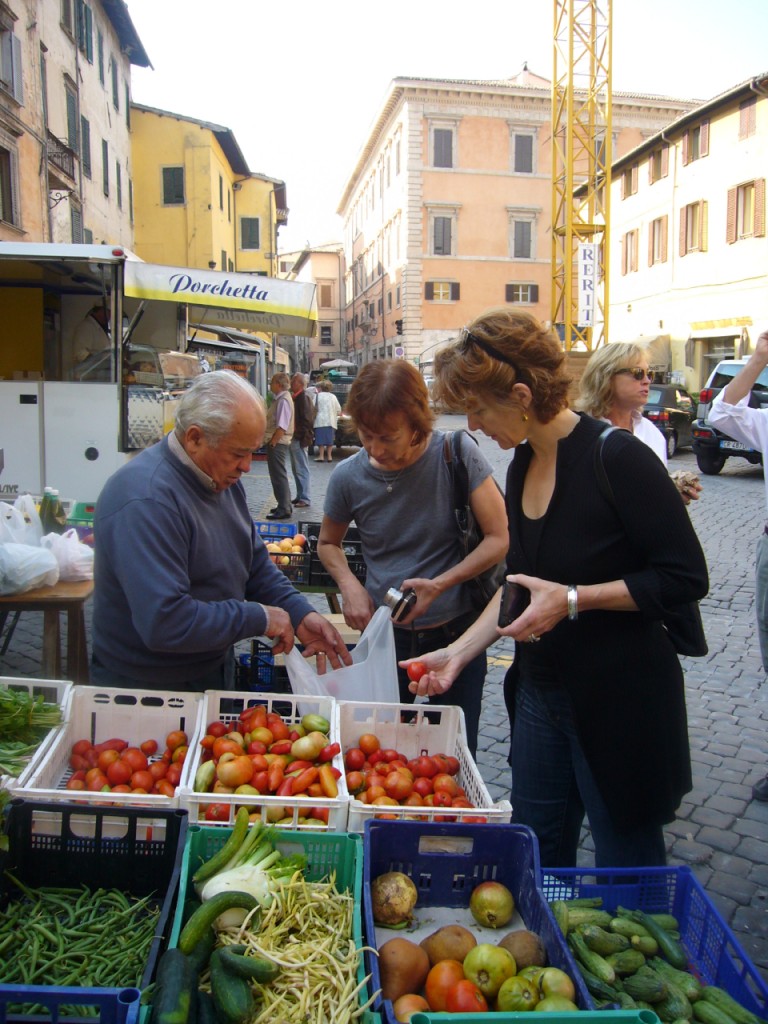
720 832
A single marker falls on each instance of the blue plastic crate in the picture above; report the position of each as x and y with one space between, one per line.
713 951
276 530
72 1005
446 862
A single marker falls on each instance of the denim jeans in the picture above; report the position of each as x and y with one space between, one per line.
553 786
277 465
467 690
300 467
761 596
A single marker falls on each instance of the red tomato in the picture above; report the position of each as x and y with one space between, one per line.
278 728
368 743
354 759
164 788
391 755
465 997
173 775
217 729
452 765
105 759
78 762
217 812
398 786
119 772
96 781
134 757
74 783
158 770
179 753
423 767
444 783
416 670
149 747
177 738
142 780
355 782
442 977
81 747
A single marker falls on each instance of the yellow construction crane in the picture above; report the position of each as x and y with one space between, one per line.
581 171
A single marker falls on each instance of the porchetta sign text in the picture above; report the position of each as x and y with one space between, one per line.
181 283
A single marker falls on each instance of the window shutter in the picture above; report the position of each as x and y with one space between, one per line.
684 147
624 192
664 161
85 145
760 207
88 35
683 218
15 196
17 88
71 120
704 139
730 216
534 293
429 291
664 233
650 169
635 249
509 292
455 291
703 225
651 235
634 175
623 255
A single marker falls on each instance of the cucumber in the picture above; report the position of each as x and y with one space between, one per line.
201 951
203 918
647 945
718 997
232 996
222 858
560 911
206 1011
596 987
173 999
667 921
623 926
669 947
708 1013
683 980
585 901
603 942
588 915
628 961
592 961
253 967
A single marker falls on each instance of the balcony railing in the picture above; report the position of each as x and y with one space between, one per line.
61 156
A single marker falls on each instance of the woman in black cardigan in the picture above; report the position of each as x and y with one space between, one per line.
595 694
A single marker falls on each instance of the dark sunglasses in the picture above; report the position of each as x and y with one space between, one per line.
636 373
467 339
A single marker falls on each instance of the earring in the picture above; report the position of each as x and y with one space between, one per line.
525 417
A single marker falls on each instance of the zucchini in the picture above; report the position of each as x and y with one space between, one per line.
623 926
709 1013
201 951
674 1005
666 921
203 918
560 911
222 858
628 961
252 967
232 996
718 997
585 901
206 1011
596 987
588 915
602 942
173 999
646 985
626 1002
592 961
647 945
669 947
683 980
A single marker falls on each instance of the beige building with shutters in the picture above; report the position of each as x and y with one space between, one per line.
448 209
324 266
689 251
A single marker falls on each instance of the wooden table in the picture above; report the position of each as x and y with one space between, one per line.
64 597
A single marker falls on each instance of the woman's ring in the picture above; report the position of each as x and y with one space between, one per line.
533 639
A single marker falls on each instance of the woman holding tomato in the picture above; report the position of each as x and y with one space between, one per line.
596 679
398 490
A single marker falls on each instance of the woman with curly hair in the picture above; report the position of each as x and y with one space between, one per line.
595 674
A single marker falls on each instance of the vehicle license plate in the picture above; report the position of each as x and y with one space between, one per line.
735 446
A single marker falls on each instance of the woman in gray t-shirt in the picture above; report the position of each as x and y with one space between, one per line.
398 491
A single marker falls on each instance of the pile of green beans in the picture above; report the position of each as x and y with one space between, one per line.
76 936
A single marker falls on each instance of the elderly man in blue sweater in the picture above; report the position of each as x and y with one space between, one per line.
180 572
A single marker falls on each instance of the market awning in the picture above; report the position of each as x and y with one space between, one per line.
230 300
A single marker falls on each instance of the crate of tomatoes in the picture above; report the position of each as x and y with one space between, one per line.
279 755
127 747
411 762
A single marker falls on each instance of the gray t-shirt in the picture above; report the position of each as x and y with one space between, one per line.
410 532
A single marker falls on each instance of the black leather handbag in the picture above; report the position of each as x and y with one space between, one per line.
683 622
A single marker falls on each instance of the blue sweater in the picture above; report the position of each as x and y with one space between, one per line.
177 570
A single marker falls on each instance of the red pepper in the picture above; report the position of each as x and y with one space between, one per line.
115 744
328 753
304 780
328 782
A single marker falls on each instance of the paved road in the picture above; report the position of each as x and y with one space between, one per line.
720 832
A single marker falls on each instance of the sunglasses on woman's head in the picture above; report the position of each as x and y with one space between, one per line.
467 339
636 372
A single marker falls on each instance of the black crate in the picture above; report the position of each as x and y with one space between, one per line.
136 850
312 531
353 549
294 566
258 672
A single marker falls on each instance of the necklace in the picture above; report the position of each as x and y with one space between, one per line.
391 481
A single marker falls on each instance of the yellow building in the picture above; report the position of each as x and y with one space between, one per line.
196 202
447 211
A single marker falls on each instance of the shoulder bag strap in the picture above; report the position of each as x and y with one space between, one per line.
602 477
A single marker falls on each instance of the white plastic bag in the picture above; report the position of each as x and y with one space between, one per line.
25 566
372 676
20 522
25 503
75 559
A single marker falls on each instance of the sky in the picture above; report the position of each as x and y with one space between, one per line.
299 82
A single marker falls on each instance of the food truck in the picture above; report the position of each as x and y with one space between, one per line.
69 415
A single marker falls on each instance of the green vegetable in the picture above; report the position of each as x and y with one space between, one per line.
597 988
232 996
666 921
206 1011
254 968
669 947
25 717
674 1005
685 981
560 911
228 850
203 918
646 985
709 1013
623 926
719 998
585 902
173 999
592 961
201 951
601 941
626 962
647 945
588 915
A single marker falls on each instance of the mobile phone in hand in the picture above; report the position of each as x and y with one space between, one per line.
515 598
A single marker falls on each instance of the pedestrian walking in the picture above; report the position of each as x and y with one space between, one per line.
732 414
326 421
277 437
303 436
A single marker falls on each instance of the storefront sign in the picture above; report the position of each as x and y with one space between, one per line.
587 283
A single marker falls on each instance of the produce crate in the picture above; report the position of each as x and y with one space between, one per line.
100 713
81 513
136 851
414 729
225 706
326 854
53 691
319 575
260 672
274 529
74 1005
714 953
446 863
293 565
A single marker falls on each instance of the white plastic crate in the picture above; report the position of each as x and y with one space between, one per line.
53 691
428 729
225 706
101 713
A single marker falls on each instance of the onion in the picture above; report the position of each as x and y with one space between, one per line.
393 897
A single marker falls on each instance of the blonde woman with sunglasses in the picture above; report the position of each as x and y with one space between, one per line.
614 387
595 693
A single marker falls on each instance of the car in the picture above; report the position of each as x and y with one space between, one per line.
711 446
672 410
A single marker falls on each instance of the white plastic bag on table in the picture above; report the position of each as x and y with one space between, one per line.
372 676
75 559
24 567
20 523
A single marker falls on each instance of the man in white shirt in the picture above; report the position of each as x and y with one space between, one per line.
732 414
